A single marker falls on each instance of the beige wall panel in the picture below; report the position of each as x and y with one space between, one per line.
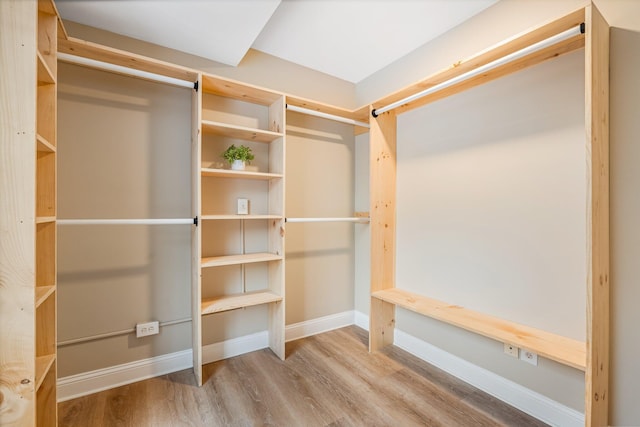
625 230
124 152
320 183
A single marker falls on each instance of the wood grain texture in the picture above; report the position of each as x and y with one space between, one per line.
597 131
233 302
382 188
18 47
552 346
196 232
327 380
239 132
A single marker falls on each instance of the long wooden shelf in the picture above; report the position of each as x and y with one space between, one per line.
43 364
235 217
233 302
227 173
219 261
555 347
239 132
42 293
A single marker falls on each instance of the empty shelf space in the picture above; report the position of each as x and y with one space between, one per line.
42 293
219 261
239 132
43 364
227 173
229 217
555 347
232 302
45 219
44 145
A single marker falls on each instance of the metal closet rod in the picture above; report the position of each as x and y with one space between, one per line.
147 221
578 29
116 333
327 116
92 63
363 220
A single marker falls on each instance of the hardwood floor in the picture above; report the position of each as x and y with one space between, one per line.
327 380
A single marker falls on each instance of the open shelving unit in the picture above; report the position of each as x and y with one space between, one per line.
229 244
591 356
28 230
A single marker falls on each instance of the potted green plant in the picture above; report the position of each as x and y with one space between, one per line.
238 157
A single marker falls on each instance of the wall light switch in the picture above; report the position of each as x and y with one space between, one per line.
243 206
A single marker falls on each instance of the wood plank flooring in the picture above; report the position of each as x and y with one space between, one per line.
327 380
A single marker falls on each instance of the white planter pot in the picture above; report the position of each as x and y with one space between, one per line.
237 165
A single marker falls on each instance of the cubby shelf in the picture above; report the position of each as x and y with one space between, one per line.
44 145
227 173
42 293
219 261
239 132
233 302
45 76
236 217
45 219
43 365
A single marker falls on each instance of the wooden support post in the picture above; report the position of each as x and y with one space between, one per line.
196 232
597 127
382 146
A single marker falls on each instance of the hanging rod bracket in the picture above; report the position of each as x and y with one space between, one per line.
374 114
195 220
195 85
583 28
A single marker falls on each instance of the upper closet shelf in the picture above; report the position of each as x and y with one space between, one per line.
239 132
227 173
237 90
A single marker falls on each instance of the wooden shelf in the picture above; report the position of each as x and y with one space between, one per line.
44 145
45 219
555 347
239 132
42 293
242 91
233 302
45 75
228 173
219 261
236 217
43 364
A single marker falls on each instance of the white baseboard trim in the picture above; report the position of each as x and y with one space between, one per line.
103 379
115 376
360 319
529 401
235 347
307 328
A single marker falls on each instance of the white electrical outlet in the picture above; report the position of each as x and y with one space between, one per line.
243 206
511 350
529 357
145 329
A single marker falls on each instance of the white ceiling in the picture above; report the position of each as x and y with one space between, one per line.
348 39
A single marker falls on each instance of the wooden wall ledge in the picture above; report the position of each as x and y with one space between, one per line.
555 347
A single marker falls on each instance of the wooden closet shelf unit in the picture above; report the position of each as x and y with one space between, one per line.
234 302
220 261
555 347
591 356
